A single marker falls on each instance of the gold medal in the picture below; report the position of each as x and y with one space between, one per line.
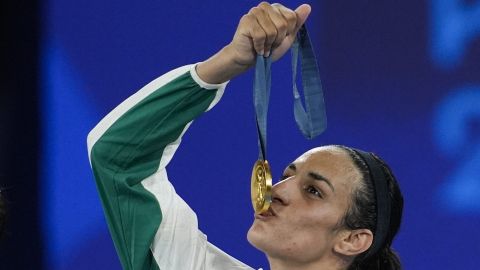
261 189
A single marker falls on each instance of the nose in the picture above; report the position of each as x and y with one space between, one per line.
280 192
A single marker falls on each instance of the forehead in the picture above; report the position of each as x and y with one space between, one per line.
329 161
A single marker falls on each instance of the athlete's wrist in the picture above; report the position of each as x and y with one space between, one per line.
221 67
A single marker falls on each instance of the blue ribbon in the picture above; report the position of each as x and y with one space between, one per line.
311 121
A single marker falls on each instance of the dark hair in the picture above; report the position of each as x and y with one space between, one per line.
362 214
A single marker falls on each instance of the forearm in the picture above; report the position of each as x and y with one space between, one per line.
151 118
221 67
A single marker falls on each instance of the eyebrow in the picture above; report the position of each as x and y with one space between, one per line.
292 167
315 176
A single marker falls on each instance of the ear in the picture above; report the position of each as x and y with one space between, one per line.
353 242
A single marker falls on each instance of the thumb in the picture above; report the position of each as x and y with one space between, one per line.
302 14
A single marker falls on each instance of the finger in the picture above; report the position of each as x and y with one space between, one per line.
279 22
255 32
302 14
289 16
268 27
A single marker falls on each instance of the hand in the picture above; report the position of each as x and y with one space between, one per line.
265 29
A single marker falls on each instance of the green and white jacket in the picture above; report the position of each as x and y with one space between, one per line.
151 226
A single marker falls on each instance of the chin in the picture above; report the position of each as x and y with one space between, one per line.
265 242
258 237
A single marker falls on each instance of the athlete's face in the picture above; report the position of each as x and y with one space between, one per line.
307 207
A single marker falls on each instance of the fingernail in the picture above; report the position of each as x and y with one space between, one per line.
267 54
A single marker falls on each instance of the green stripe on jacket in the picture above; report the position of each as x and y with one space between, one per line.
130 151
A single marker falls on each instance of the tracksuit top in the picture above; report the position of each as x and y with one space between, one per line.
129 150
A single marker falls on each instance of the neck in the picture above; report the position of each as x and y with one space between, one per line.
322 264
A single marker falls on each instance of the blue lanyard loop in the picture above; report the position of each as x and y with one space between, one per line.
311 121
261 96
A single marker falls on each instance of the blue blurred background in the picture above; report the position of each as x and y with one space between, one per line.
401 78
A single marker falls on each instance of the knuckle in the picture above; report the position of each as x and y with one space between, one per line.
265 7
264 4
246 21
254 11
245 17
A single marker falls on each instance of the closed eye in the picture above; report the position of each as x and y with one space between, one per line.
313 191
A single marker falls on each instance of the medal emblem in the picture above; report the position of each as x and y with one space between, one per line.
261 188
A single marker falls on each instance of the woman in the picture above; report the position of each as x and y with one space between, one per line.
336 208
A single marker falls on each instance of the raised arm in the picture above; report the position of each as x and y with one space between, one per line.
132 145
129 149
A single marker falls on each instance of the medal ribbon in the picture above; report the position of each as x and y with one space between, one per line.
261 96
311 121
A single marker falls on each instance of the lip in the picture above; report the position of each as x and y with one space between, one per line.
270 213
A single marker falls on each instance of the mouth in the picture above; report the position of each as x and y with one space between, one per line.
270 213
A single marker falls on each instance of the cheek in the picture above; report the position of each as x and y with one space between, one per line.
312 230
302 237
303 232
312 234
315 217
302 241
